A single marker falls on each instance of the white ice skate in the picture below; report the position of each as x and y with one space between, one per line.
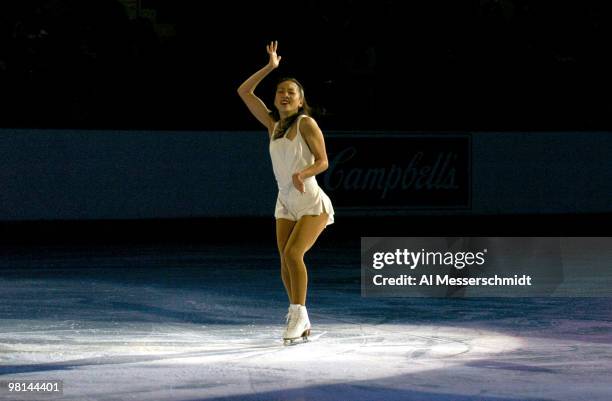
298 325
287 316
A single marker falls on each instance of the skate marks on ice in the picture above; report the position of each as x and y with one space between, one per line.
56 349
184 361
110 338
353 360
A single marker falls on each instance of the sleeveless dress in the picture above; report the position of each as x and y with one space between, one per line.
289 157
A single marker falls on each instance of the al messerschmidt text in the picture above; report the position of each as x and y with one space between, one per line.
408 280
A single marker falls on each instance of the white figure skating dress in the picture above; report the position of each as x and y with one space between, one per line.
289 157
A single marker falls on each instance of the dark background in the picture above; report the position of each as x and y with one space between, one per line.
491 65
394 65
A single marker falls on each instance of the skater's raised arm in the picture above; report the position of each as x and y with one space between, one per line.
247 89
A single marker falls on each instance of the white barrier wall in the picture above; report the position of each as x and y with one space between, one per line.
63 174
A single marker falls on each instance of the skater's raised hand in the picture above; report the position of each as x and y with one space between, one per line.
274 58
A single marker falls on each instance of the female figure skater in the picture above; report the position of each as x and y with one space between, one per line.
303 210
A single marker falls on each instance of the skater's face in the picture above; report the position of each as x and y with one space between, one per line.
289 98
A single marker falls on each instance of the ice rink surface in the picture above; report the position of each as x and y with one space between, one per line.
205 323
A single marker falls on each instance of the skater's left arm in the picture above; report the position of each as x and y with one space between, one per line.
314 139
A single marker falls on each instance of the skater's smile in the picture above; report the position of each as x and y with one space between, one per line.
288 97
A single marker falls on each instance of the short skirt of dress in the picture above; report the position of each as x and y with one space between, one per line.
312 203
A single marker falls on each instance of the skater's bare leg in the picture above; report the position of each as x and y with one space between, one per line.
283 231
302 238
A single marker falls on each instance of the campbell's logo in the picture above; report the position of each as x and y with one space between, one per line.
400 172
416 174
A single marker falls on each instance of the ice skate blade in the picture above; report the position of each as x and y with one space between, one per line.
297 340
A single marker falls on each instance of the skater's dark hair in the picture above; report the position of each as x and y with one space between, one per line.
285 124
